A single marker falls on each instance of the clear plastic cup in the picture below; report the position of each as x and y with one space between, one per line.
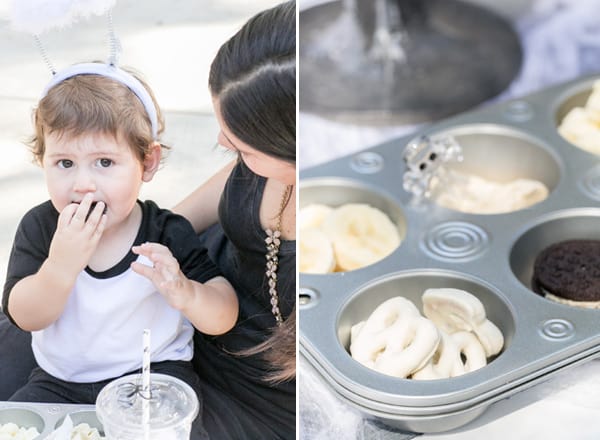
173 406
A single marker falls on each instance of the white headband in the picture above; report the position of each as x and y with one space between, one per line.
115 73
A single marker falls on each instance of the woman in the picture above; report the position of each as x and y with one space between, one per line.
248 374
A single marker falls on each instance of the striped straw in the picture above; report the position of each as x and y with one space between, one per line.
146 393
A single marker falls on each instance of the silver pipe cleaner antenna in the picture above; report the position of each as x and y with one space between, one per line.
44 53
113 41
39 16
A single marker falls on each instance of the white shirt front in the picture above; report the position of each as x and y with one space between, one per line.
99 334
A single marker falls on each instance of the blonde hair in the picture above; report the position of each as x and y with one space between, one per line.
94 104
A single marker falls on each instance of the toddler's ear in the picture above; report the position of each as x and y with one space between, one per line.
152 161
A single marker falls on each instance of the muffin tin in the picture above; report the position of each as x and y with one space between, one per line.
46 417
491 256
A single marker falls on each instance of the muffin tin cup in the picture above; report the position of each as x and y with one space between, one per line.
46 417
490 256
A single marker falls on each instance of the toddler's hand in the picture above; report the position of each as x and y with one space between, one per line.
77 235
165 274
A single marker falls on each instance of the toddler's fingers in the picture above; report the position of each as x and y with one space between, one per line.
96 213
64 219
83 209
100 227
143 270
166 260
147 249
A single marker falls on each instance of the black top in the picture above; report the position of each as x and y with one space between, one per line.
238 402
35 231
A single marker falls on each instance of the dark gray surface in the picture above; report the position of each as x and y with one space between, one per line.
457 55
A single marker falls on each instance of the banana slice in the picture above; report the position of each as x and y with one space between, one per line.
316 252
313 216
454 310
361 235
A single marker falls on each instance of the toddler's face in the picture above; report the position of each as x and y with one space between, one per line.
98 164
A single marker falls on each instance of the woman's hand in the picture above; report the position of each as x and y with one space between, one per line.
78 232
165 274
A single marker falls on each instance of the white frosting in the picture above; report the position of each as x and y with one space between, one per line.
11 431
570 302
581 125
477 195
83 431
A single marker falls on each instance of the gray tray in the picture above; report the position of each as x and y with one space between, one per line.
46 417
490 256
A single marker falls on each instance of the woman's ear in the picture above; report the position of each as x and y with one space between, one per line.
152 161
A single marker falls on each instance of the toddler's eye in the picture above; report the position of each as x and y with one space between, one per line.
65 163
104 163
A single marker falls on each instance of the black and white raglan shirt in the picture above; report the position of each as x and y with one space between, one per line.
99 334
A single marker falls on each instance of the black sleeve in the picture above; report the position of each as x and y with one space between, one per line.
177 233
30 247
192 257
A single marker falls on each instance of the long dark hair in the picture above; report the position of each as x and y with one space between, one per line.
279 350
254 78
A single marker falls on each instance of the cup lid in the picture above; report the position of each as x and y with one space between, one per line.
172 403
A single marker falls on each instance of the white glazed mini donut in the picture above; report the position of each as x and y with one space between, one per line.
395 339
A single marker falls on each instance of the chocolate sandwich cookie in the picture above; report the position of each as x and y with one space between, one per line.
92 206
569 269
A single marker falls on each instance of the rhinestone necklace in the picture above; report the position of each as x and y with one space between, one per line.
273 241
